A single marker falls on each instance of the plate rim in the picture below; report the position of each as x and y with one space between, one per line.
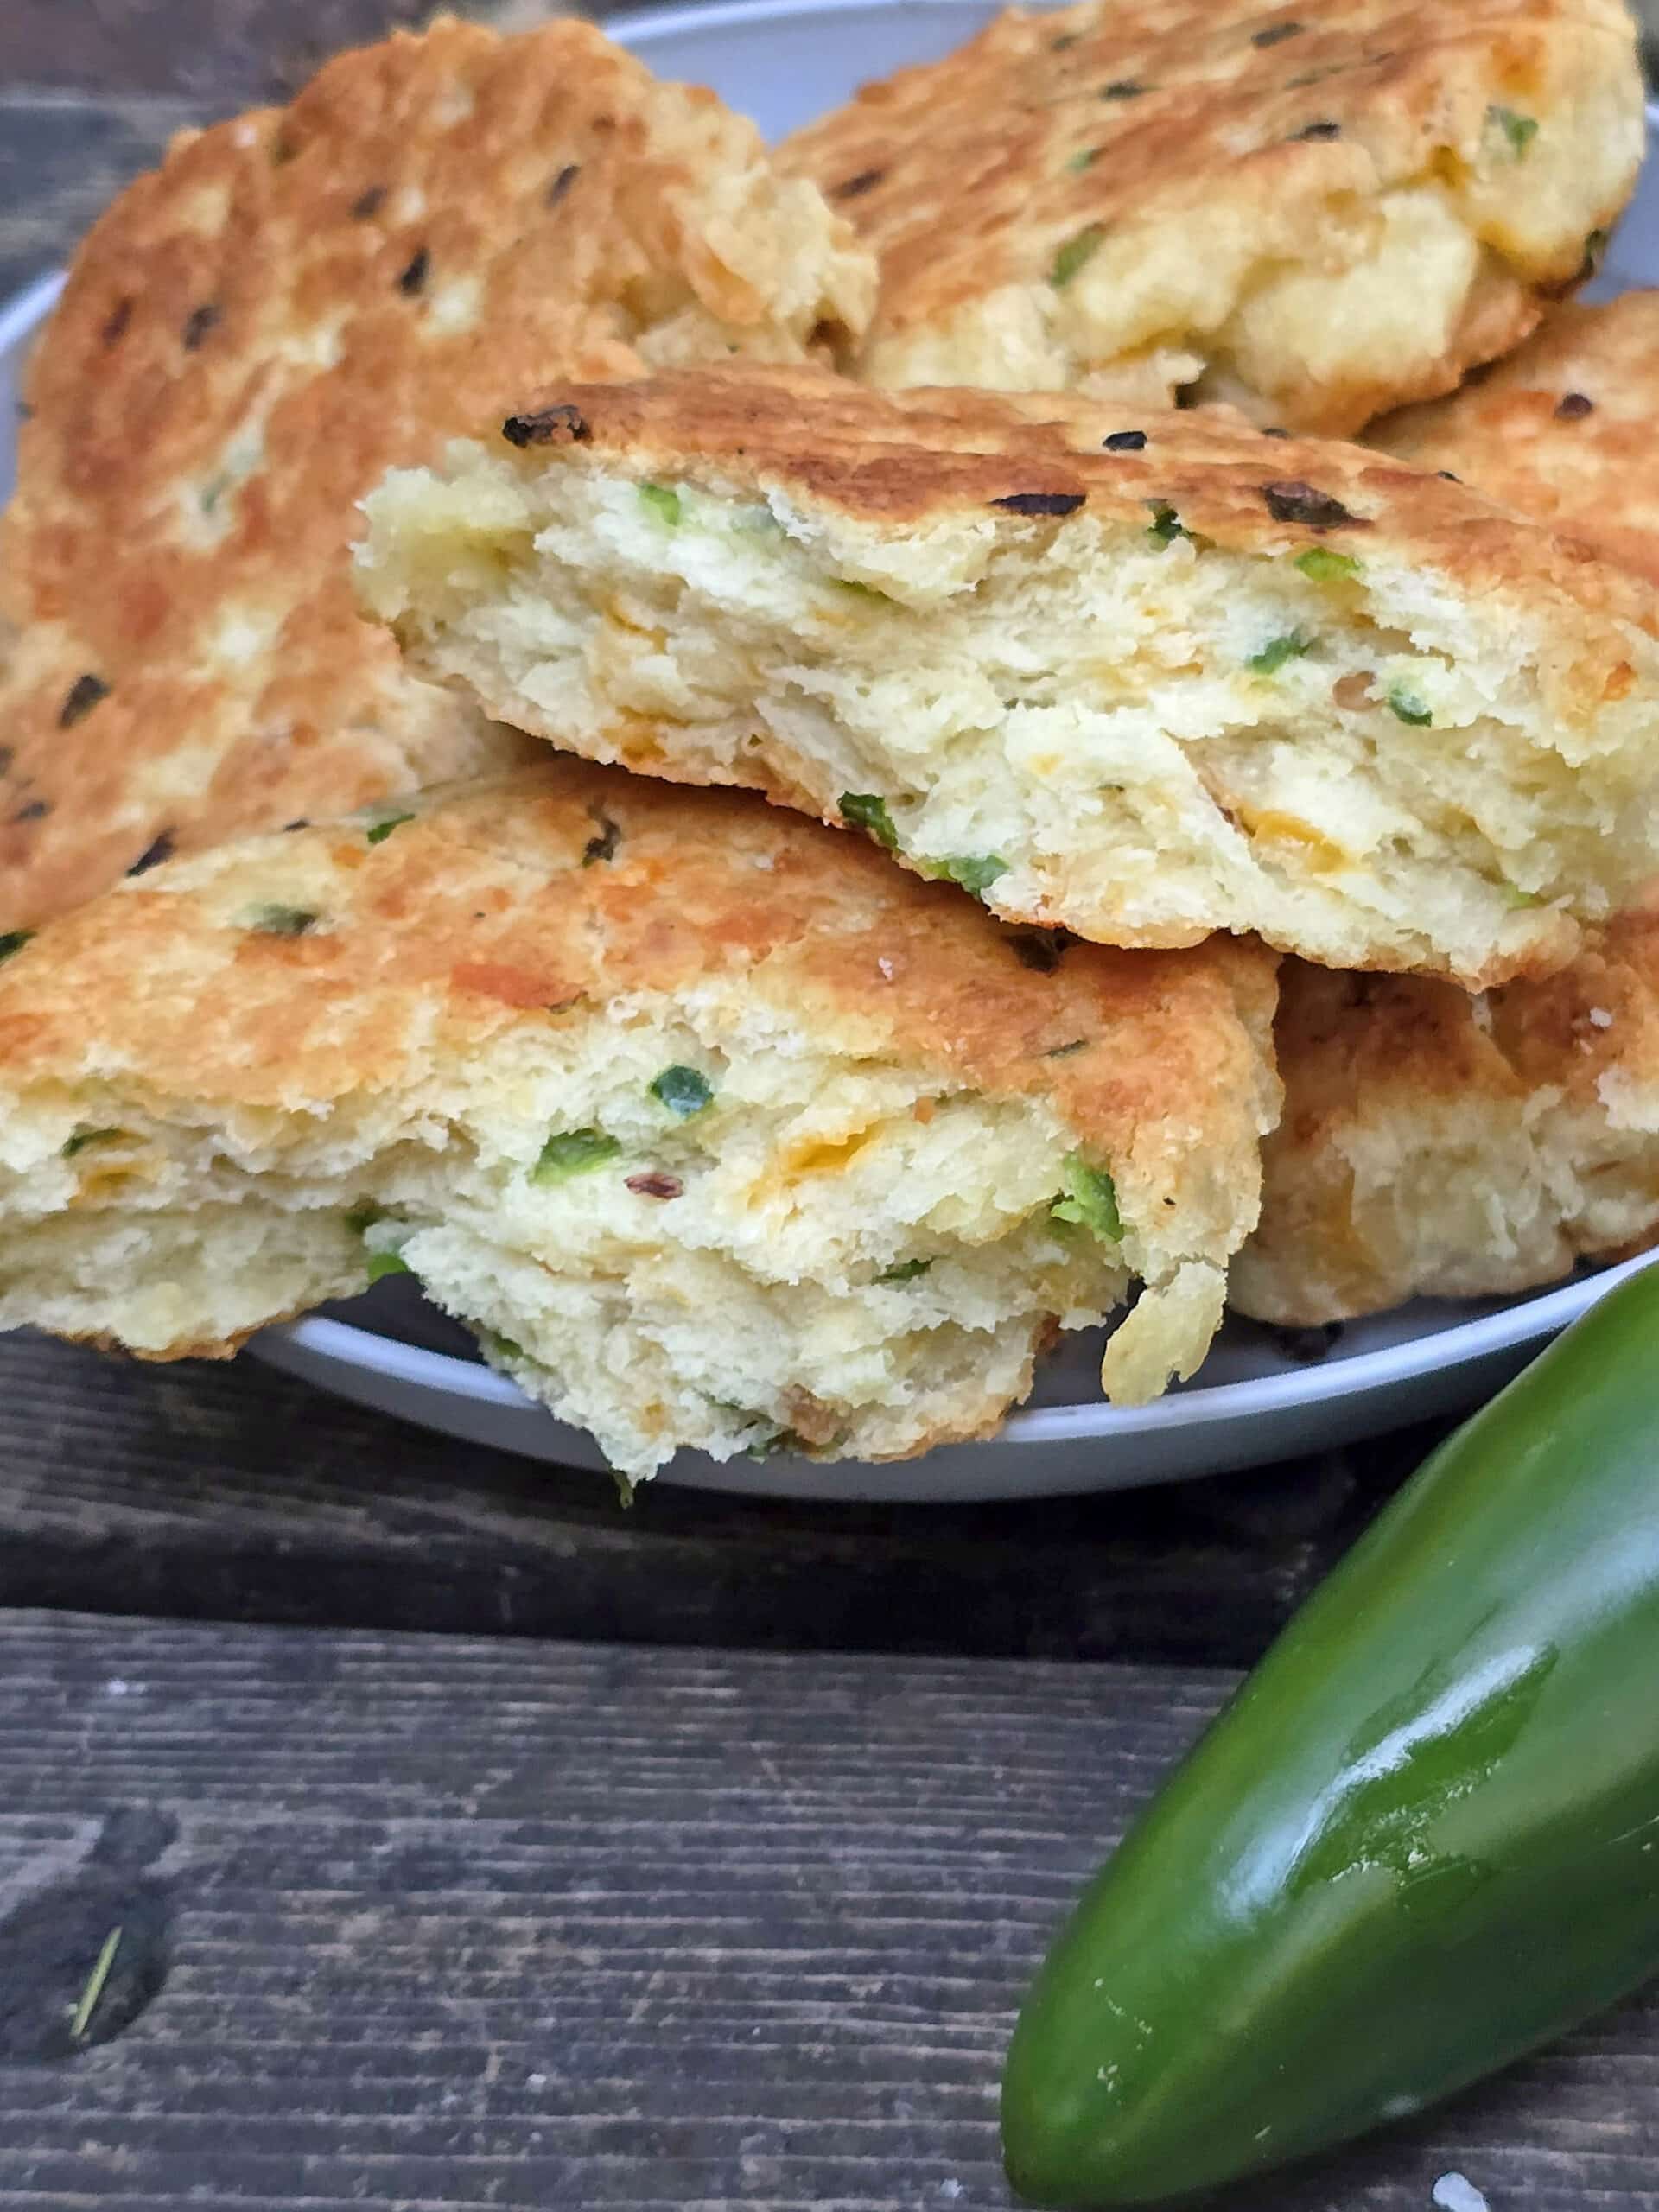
1461 1344
641 26
23 312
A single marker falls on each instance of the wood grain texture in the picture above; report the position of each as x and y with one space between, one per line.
90 91
229 1491
448 1922
62 158
224 54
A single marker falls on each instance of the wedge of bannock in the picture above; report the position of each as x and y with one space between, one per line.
1317 212
294 301
719 1129
1437 1145
1144 679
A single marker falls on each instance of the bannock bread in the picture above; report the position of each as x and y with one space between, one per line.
251 334
1143 678
1563 430
1436 1143
718 1128
1318 212
1439 1144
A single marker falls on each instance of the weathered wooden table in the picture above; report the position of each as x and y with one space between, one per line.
474 1843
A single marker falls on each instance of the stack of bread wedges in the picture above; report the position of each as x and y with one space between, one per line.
783 774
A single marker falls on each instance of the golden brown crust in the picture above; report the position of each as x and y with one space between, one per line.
479 915
1350 1037
1434 1142
1562 430
1355 1051
890 460
1201 147
294 301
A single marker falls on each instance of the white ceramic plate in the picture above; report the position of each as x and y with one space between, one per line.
784 62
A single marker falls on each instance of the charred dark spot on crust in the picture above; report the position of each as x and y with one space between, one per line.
120 317
1064 1051
1125 441
159 849
1275 432
1448 476
282 921
1065 39
1040 503
1311 132
411 279
1123 88
1573 404
302 822
282 151
1276 33
36 811
655 1184
1308 1346
855 188
552 426
198 322
368 203
603 847
1040 949
561 183
1291 500
1594 246
82 696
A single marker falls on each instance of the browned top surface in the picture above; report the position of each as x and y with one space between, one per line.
251 334
967 173
891 461
1566 428
480 914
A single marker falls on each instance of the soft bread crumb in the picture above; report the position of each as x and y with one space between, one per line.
1435 1145
1175 1334
1328 212
1193 679
719 1130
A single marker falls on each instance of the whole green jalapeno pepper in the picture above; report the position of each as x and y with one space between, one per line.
1422 1839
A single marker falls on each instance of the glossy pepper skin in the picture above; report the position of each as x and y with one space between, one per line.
1422 1838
